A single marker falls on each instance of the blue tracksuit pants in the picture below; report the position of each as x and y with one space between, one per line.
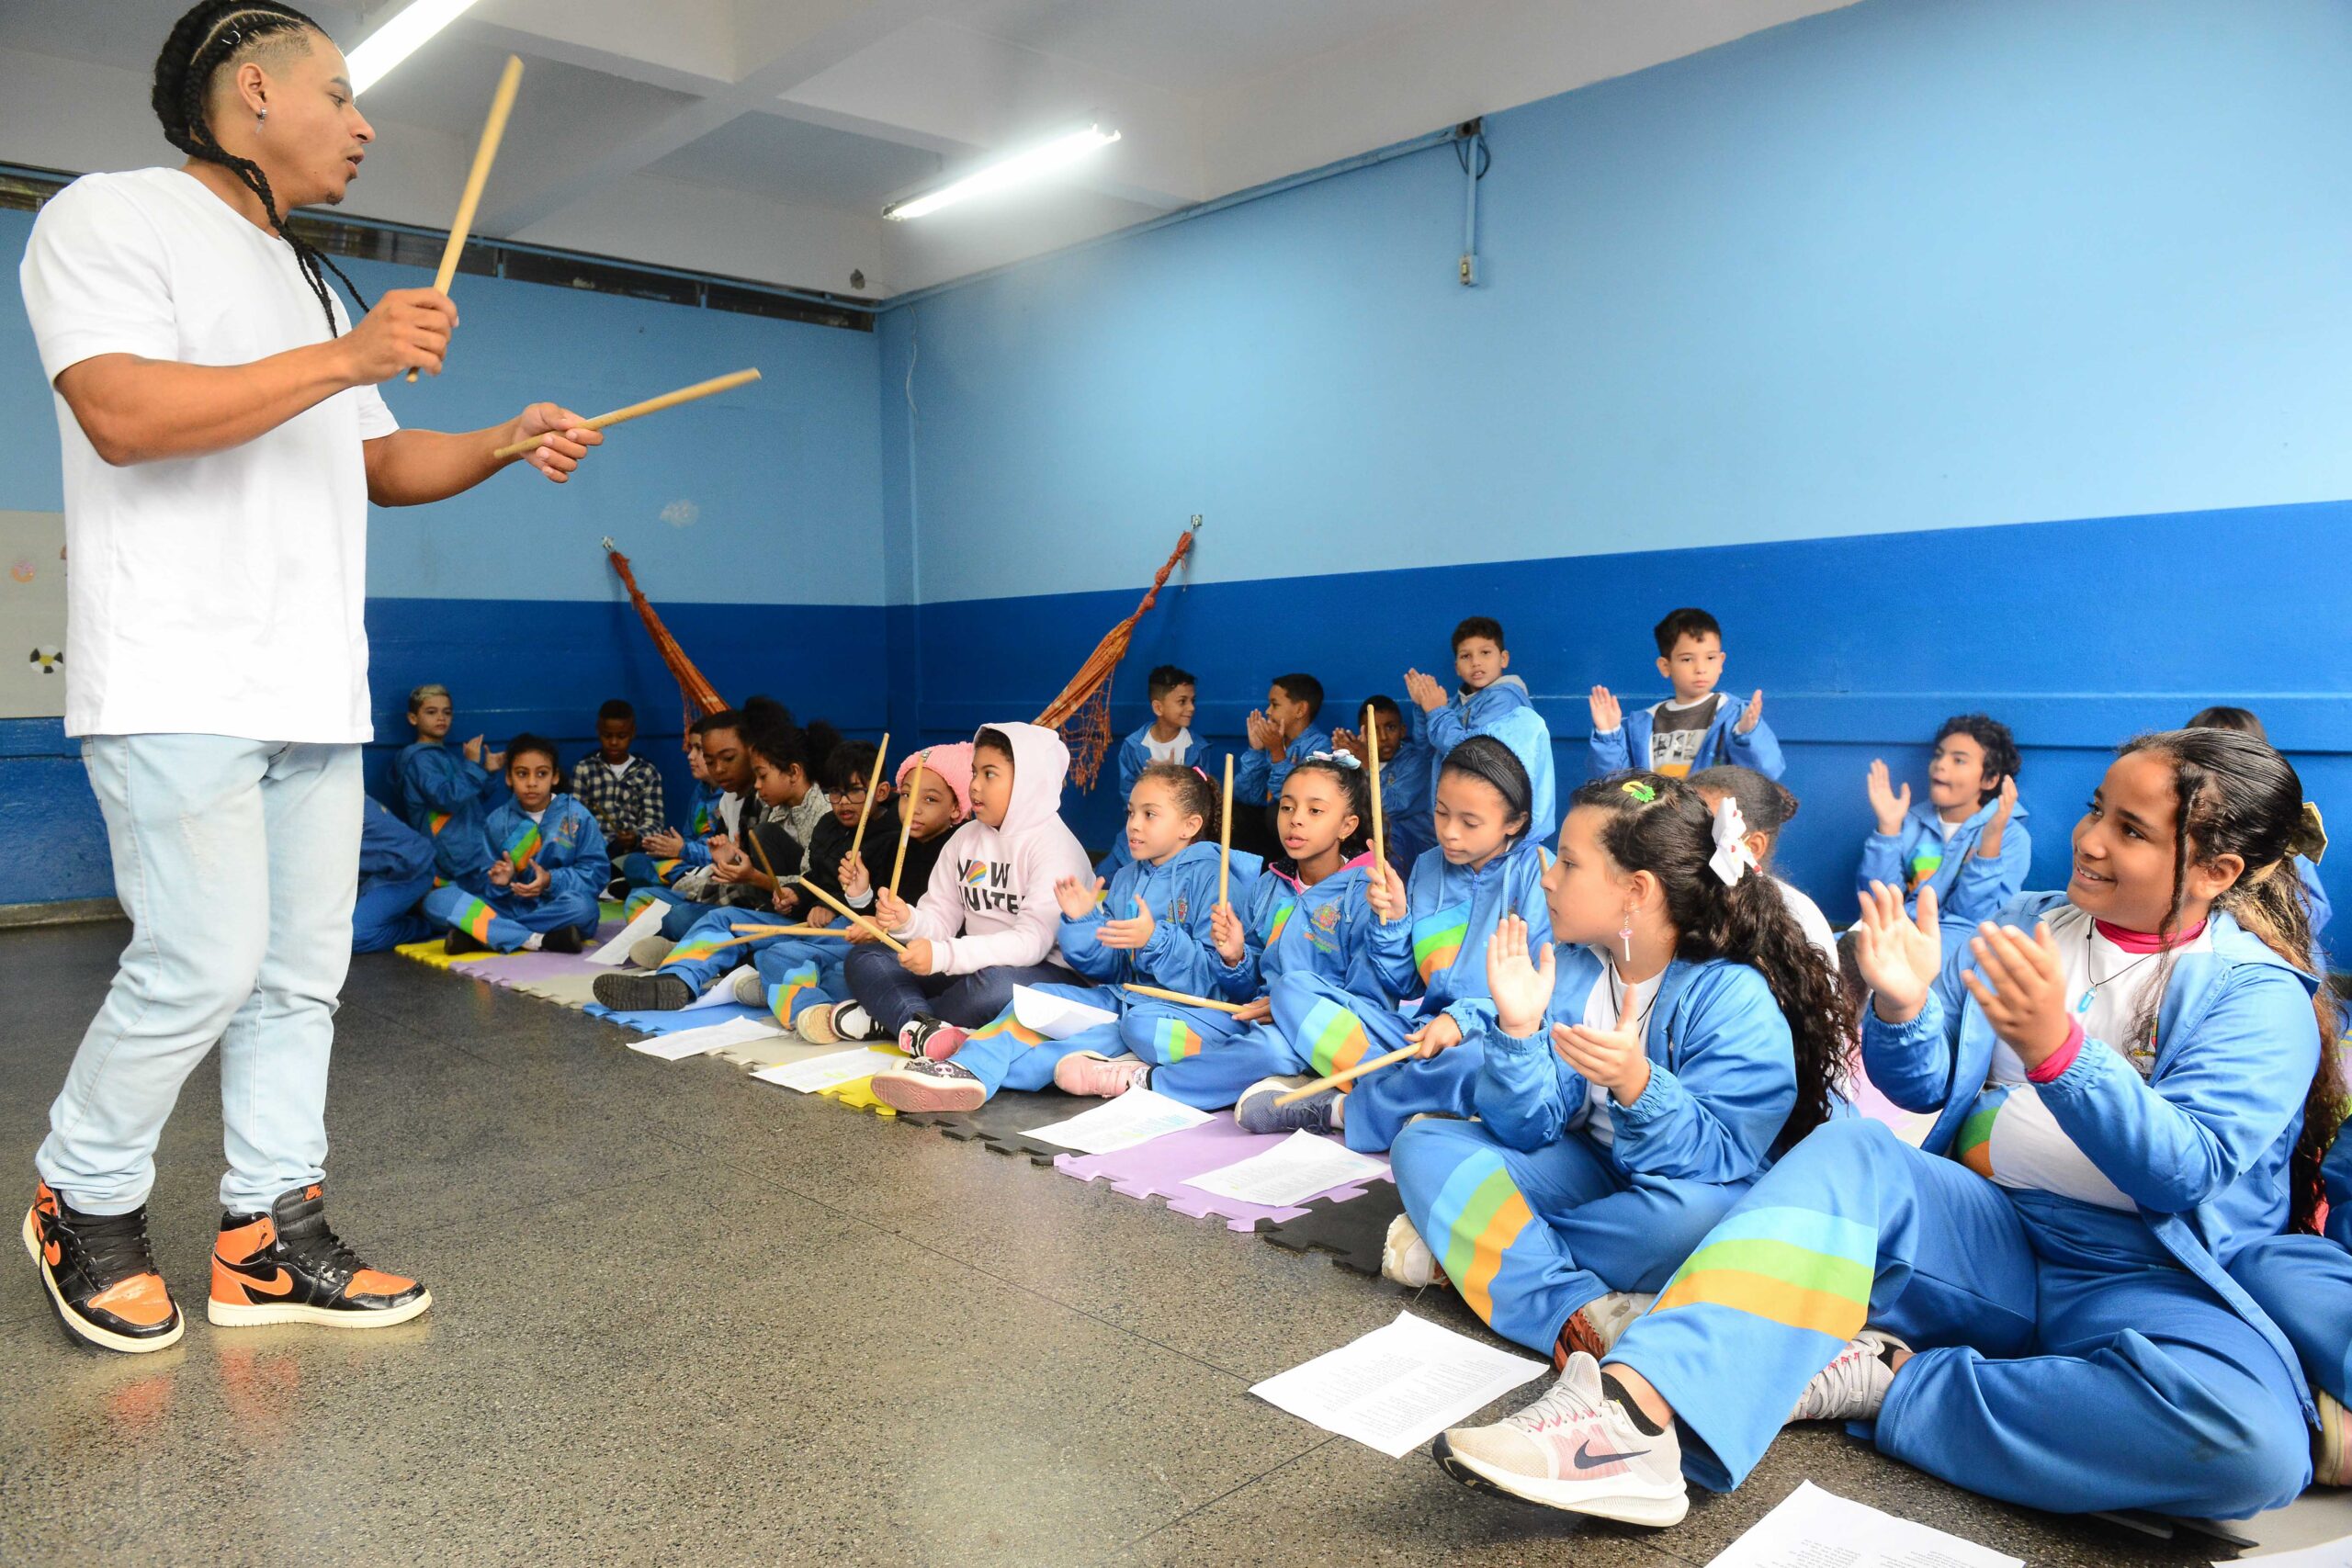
1334 1029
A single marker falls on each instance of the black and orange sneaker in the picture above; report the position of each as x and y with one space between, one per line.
286 1267
100 1275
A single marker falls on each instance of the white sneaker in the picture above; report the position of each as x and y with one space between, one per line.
1852 1387
1405 1257
750 989
1576 1450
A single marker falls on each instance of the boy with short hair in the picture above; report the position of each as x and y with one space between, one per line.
1489 702
546 867
1282 734
1174 695
1968 841
1408 766
624 790
1697 726
444 793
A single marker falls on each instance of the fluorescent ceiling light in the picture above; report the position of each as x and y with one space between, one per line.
401 37
1019 168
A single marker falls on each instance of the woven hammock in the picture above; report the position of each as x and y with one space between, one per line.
1082 711
695 690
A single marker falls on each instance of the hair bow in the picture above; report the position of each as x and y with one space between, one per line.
1733 859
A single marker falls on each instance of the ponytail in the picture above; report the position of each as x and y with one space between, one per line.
2234 795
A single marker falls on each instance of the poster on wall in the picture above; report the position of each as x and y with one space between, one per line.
32 615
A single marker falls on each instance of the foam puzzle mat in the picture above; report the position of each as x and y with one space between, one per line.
1160 1168
1347 1224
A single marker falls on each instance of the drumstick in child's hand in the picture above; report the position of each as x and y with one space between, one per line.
1224 841
1185 997
885 938
1372 751
1336 1079
906 820
874 776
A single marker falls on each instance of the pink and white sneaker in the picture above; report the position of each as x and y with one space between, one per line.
1576 1450
1093 1073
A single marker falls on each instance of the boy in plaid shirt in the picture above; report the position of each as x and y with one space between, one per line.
621 791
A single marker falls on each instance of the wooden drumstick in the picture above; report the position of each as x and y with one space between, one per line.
711 387
485 151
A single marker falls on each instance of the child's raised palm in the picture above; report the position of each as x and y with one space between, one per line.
1521 988
1427 694
1076 897
1888 806
1606 714
1897 954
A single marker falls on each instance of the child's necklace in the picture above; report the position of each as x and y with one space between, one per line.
2090 993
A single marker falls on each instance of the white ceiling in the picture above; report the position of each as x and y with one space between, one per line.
761 138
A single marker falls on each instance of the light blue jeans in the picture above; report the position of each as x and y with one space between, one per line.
237 861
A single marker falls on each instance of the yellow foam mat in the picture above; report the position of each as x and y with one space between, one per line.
431 952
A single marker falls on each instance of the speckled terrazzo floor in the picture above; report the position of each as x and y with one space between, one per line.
685 1316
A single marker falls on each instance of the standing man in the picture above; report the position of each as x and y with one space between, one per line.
222 436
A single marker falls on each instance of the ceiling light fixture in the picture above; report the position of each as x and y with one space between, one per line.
401 37
1019 168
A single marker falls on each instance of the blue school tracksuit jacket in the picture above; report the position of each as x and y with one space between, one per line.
1290 928
1968 886
1597 1213
1436 956
1628 745
1181 954
1505 711
395 872
445 798
1258 779
2203 1147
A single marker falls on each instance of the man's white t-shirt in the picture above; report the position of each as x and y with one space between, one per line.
220 594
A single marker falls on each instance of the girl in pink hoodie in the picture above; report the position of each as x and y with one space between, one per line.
987 922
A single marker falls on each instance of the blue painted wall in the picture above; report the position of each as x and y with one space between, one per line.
753 519
1940 347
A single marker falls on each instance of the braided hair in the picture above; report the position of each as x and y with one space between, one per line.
208 37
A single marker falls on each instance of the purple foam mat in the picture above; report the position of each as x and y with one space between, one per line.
522 968
672 1022
1160 1168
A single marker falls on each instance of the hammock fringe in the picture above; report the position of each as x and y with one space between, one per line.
695 690
1082 711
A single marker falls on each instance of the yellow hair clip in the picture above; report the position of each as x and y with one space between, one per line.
1640 789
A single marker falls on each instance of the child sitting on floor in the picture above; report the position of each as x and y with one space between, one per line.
753 867
801 980
395 874
546 867
1407 778
1969 841
1429 944
623 791
1697 726
1489 702
665 853
1766 806
1152 928
2131 1083
1633 1087
729 938
1307 914
987 920
444 795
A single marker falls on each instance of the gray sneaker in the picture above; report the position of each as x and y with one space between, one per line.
1853 1385
750 989
1257 1112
